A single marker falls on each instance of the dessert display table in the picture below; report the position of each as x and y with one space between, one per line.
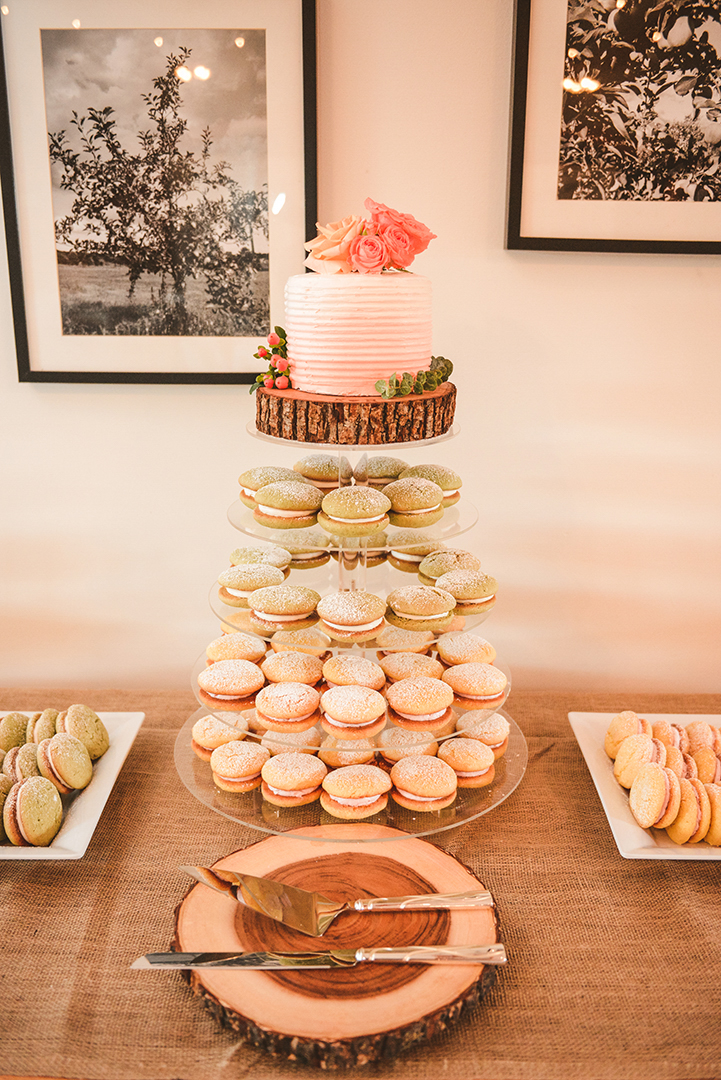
602 950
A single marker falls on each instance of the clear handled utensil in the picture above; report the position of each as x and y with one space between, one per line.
312 913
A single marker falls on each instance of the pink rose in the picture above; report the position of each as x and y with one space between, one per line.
368 254
419 234
398 243
329 252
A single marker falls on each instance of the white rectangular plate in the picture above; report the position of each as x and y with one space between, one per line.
82 811
632 841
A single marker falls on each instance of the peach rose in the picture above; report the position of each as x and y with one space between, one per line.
329 252
419 234
368 254
399 246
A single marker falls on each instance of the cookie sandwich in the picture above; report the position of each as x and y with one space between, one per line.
355 792
288 707
286 742
339 752
477 686
21 762
350 670
624 724
464 648
289 504
308 549
309 640
392 639
447 480
293 779
236 766
352 712
230 684
209 733
354 511
420 607
395 743
634 752
442 562
65 762
325 471
352 615
423 783
474 591
32 813
380 471
471 760
237 646
252 480
407 665
268 554
494 730
694 815
238 583
83 723
42 725
298 667
655 796
408 550
420 703
415 503
283 607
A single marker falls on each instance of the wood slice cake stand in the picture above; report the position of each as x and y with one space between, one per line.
373 421
340 1017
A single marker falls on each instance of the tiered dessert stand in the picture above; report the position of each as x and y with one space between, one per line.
348 568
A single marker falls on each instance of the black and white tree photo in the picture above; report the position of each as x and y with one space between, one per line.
158 154
642 101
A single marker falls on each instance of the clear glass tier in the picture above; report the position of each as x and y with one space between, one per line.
456 520
460 705
252 810
342 448
327 579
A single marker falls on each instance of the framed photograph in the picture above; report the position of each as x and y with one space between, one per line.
616 126
158 164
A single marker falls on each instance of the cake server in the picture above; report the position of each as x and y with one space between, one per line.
334 958
311 912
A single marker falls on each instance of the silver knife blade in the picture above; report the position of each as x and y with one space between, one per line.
334 958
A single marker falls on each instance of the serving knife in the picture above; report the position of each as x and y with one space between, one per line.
312 913
334 958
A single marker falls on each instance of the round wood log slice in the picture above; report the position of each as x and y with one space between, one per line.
340 1018
348 421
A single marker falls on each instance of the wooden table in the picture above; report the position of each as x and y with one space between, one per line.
614 964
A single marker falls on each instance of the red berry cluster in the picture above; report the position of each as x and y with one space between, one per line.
278 374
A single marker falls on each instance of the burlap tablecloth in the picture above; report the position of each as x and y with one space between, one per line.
615 965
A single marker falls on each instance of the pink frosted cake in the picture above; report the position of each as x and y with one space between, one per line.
347 331
353 364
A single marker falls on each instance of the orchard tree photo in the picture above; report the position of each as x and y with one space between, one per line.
158 236
641 101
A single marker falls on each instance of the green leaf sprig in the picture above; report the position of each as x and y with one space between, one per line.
424 382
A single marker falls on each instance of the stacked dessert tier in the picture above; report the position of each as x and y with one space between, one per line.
347 681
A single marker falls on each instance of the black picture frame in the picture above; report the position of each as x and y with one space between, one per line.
537 219
305 169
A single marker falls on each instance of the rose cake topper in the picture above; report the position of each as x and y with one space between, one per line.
387 240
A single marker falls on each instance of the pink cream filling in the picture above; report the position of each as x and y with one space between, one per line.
339 723
481 697
666 798
422 716
365 800
356 521
278 618
292 794
421 798
285 719
238 779
271 511
484 771
353 627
